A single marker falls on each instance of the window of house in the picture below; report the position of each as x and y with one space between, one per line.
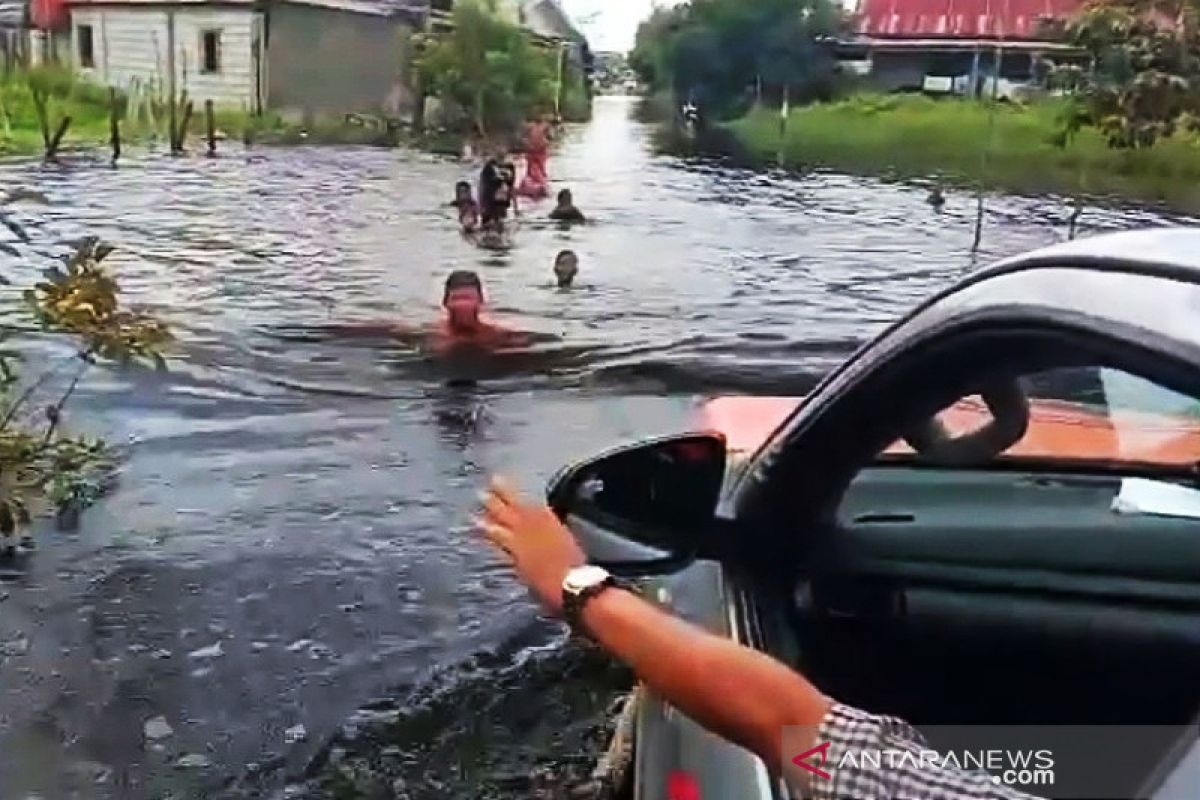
210 51
87 51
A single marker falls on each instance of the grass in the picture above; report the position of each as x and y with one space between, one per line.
904 136
88 106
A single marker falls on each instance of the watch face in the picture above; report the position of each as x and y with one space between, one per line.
583 578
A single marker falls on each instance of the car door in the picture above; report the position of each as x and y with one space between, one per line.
599 500
901 583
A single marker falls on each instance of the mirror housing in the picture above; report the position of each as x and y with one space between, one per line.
658 496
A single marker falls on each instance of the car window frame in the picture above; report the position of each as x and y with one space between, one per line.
1078 298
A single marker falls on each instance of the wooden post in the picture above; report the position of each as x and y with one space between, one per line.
172 94
114 126
56 140
39 105
211 124
181 135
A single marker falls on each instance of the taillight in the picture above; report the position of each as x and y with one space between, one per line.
682 786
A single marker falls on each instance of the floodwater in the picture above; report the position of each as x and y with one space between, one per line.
288 542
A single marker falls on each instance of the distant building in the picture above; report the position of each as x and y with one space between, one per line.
294 56
955 46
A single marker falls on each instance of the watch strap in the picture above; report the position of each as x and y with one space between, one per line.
574 603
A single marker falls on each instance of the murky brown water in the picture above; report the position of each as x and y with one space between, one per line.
301 500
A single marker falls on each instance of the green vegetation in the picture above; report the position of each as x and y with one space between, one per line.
145 118
729 54
493 73
912 137
1143 79
20 128
43 470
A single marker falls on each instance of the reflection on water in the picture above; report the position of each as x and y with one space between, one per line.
299 498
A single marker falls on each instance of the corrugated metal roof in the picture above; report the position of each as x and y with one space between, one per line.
12 13
1000 19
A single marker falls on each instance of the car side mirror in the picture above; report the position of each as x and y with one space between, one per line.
660 495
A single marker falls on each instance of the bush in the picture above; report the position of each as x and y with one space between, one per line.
41 468
1004 145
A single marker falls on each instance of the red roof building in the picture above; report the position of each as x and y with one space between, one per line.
972 47
958 19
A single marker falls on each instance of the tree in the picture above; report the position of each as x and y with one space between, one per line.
1143 79
488 67
728 53
43 469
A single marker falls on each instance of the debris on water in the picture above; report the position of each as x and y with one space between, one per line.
161 654
194 761
137 648
298 645
212 651
3 596
317 651
350 608
203 672
157 728
258 647
18 646
294 734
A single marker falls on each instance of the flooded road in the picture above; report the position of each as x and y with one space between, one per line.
288 539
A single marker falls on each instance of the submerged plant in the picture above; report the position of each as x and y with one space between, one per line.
42 469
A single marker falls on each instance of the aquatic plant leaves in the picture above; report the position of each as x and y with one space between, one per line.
40 468
82 299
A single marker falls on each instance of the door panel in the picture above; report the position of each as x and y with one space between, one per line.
666 740
997 597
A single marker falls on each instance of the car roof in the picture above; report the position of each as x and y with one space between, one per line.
1160 251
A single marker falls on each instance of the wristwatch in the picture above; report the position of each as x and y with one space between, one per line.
581 585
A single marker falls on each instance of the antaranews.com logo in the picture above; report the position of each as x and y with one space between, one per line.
1016 768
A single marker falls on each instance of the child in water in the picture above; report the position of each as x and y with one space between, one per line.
566 267
566 211
468 209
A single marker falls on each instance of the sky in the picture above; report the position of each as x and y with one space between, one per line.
610 24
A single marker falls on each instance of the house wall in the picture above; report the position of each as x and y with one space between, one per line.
131 44
894 71
326 61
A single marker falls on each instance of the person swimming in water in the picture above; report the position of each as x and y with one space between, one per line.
566 211
468 209
462 326
566 267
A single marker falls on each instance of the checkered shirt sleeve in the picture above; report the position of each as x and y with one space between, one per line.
849 729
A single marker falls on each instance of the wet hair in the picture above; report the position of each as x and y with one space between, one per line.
565 196
461 185
462 279
563 255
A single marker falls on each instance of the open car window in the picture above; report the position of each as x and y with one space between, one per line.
1092 417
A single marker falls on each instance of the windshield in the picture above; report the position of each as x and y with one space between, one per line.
1095 415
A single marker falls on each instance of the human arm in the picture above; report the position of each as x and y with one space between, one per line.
738 693
370 329
694 670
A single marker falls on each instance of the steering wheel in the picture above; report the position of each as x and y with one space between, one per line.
1009 408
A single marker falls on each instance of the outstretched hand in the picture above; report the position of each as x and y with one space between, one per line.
541 548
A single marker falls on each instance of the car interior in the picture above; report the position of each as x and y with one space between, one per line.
1001 592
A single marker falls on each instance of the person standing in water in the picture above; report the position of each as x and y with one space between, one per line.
566 267
566 211
497 189
537 153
